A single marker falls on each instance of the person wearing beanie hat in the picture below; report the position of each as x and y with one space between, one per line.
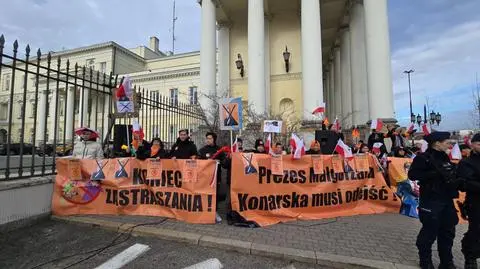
259 146
469 169
438 187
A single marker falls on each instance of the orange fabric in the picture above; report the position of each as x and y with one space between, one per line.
135 144
299 194
154 150
132 194
314 143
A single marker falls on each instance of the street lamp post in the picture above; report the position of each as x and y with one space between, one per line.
412 116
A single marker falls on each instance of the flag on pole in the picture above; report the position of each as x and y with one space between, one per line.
326 122
355 133
298 147
456 153
125 89
268 145
344 150
235 145
319 110
426 129
336 125
410 128
376 125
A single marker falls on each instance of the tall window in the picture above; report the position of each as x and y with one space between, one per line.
192 94
6 82
103 67
174 97
90 64
20 111
4 111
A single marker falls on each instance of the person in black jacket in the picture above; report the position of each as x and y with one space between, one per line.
438 188
183 147
140 146
376 137
208 152
259 147
469 169
314 148
157 149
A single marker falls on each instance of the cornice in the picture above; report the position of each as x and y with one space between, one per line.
192 72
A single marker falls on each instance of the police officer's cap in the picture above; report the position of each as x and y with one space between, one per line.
476 138
437 137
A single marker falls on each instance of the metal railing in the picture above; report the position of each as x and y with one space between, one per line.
43 99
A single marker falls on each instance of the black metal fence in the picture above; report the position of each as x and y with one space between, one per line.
44 98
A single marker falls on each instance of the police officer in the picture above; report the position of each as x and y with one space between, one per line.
438 188
469 169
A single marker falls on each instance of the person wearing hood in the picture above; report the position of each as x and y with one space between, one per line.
183 148
259 147
437 213
469 169
314 148
157 149
87 147
208 152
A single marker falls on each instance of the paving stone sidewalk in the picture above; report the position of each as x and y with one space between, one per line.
385 237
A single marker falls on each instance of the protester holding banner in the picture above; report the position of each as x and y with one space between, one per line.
469 169
140 147
314 148
87 147
183 148
157 149
259 147
438 188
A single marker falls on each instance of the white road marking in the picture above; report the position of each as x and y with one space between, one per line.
207 264
124 257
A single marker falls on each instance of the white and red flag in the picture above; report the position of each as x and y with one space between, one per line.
377 147
235 145
426 129
377 125
456 153
411 127
336 126
298 147
319 110
268 145
344 150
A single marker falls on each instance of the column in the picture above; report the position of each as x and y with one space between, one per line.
52 106
311 57
208 64
346 79
268 94
331 100
42 117
326 92
224 59
338 84
83 115
256 56
358 65
69 114
380 93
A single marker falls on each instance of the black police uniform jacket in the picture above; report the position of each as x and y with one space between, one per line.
469 170
434 171
183 149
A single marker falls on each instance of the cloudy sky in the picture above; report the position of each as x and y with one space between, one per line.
439 39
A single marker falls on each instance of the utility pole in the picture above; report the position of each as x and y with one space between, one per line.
410 90
174 19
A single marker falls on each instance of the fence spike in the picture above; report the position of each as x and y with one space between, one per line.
58 62
68 63
2 41
49 57
27 50
76 66
39 53
15 46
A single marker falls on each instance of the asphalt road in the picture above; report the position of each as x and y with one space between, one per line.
39 244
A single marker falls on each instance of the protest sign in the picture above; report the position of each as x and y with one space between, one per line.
167 195
300 194
231 111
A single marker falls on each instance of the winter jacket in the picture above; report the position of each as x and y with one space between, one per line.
87 150
469 170
143 151
183 149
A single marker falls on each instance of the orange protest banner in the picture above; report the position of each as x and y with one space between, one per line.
362 162
122 193
398 169
74 169
277 165
190 171
300 194
154 168
317 163
337 163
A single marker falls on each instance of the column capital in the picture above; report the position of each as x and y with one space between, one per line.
224 24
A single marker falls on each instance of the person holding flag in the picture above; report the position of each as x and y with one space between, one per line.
376 136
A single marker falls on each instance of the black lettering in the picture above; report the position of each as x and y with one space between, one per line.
334 198
123 198
340 200
263 203
178 179
197 203
302 176
152 198
277 178
286 201
134 193
175 200
271 203
383 194
137 177
109 196
115 197
293 176
371 173
304 200
167 199
349 196
373 194
144 199
242 200
159 196
262 172
253 203
183 201
295 198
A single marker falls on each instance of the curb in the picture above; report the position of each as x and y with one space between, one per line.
299 255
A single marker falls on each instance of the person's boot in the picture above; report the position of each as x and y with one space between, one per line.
471 263
427 264
449 265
